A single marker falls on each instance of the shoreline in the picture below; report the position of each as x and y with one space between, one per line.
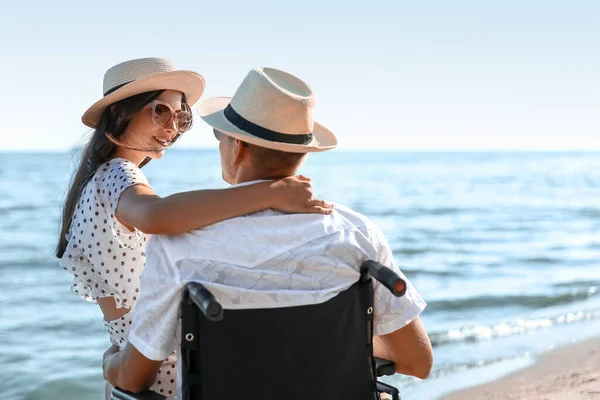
568 372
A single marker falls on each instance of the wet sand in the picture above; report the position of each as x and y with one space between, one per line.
571 372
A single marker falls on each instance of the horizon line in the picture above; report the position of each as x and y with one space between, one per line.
353 150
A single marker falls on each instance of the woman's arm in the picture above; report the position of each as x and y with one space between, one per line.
140 207
109 308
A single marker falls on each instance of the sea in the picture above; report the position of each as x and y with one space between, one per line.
503 246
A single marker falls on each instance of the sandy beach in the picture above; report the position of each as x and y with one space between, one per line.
571 372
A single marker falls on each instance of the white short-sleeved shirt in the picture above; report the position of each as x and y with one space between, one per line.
264 260
105 258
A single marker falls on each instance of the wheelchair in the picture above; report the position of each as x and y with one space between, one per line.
311 352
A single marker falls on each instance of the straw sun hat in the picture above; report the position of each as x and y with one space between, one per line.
143 75
271 109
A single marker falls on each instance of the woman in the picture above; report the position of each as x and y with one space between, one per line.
111 208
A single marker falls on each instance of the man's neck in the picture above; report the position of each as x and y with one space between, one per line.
249 176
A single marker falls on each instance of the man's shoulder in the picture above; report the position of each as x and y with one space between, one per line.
364 224
358 220
272 233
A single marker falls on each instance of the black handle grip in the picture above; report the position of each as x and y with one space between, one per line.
386 277
205 301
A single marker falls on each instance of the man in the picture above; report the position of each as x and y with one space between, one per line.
267 259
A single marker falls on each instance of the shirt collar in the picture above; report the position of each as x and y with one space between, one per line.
251 182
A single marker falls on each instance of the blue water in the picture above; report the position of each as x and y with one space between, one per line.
504 247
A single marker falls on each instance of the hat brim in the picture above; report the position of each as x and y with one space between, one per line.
211 111
188 82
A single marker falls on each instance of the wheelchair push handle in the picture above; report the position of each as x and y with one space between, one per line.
205 301
385 276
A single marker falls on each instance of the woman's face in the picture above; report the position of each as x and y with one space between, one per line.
142 132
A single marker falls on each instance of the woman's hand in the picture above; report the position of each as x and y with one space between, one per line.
294 195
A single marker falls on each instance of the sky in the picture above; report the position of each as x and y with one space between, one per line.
429 75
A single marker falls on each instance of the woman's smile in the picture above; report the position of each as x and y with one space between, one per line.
162 141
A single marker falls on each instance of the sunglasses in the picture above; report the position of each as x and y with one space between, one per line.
162 113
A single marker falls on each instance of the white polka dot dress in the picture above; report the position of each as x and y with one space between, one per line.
107 259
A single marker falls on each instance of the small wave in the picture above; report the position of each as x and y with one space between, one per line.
416 212
529 301
518 327
441 211
448 370
412 251
588 212
411 273
23 207
29 263
577 284
540 260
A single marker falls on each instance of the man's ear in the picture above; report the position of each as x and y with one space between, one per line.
240 152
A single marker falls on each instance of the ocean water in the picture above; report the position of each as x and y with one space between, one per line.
504 247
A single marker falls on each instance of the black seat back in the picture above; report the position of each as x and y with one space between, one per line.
306 352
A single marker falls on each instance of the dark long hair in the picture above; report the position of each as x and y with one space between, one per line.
97 151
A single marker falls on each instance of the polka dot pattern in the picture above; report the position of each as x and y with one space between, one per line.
106 258
166 379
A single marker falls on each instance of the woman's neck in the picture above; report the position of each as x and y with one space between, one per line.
135 157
